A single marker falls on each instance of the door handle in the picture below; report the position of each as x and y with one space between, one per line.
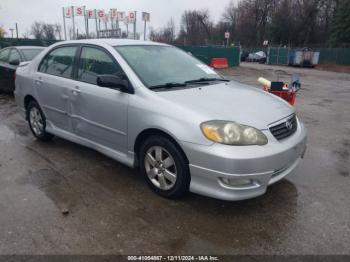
38 82
76 91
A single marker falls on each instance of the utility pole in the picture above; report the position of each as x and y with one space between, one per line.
97 33
86 24
64 24
73 22
16 30
135 25
87 27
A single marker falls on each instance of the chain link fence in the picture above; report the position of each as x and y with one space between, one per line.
281 55
275 55
206 53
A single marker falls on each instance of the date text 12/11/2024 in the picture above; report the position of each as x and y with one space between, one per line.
173 258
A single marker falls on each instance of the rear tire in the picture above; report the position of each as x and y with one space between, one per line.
37 122
164 167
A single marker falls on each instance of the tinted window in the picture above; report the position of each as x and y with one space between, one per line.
94 62
59 62
14 55
29 54
4 55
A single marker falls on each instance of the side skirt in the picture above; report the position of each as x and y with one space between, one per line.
127 159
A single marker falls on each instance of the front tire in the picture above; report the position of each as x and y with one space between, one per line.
37 122
164 167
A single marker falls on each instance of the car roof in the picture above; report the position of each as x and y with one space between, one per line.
112 42
28 47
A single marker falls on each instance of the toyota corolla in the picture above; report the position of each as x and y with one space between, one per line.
155 107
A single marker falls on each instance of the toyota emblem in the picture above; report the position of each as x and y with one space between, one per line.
289 125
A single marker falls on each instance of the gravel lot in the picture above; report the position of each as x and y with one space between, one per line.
112 211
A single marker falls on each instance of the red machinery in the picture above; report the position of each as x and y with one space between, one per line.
281 89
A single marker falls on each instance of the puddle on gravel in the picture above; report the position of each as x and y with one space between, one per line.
54 185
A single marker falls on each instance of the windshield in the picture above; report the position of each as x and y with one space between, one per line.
157 65
29 54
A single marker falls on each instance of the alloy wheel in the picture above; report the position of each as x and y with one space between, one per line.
36 121
160 167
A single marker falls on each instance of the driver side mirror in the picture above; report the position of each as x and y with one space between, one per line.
115 82
14 62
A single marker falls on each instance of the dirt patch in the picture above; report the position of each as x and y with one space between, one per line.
335 68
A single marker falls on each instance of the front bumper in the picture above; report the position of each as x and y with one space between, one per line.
243 172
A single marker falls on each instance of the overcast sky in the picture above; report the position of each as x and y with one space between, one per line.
25 12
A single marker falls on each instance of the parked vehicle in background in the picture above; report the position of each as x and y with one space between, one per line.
10 58
257 57
244 55
153 106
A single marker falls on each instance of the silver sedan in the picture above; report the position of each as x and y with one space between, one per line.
155 107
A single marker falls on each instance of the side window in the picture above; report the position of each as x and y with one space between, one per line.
95 62
14 55
59 62
4 55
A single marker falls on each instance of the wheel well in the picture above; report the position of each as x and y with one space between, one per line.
154 132
27 100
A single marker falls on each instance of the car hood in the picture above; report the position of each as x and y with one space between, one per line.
231 101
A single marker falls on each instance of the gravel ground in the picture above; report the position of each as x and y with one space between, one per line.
111 210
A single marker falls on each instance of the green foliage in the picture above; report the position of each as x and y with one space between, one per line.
2 32
341 23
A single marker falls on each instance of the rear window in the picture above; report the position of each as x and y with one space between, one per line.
29 54
59 62
4 55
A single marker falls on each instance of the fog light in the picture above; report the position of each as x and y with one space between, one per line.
238 182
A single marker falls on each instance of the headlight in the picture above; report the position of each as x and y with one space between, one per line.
231 133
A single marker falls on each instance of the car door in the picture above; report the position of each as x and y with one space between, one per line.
53 82
4 70
99 114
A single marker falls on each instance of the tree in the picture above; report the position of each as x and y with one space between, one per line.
164 35
282 22
37 30
2 32
44 31
26 34
341 23
283 25
294 22
229 20
58 31
196 27
49 31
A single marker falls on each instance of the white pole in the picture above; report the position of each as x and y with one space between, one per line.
74 37
86 23
64 24
97 33
135 25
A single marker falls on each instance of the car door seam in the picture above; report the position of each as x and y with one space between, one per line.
98 125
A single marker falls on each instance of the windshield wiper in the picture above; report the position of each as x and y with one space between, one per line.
168 85
204 79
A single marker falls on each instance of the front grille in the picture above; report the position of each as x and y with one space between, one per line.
285 129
